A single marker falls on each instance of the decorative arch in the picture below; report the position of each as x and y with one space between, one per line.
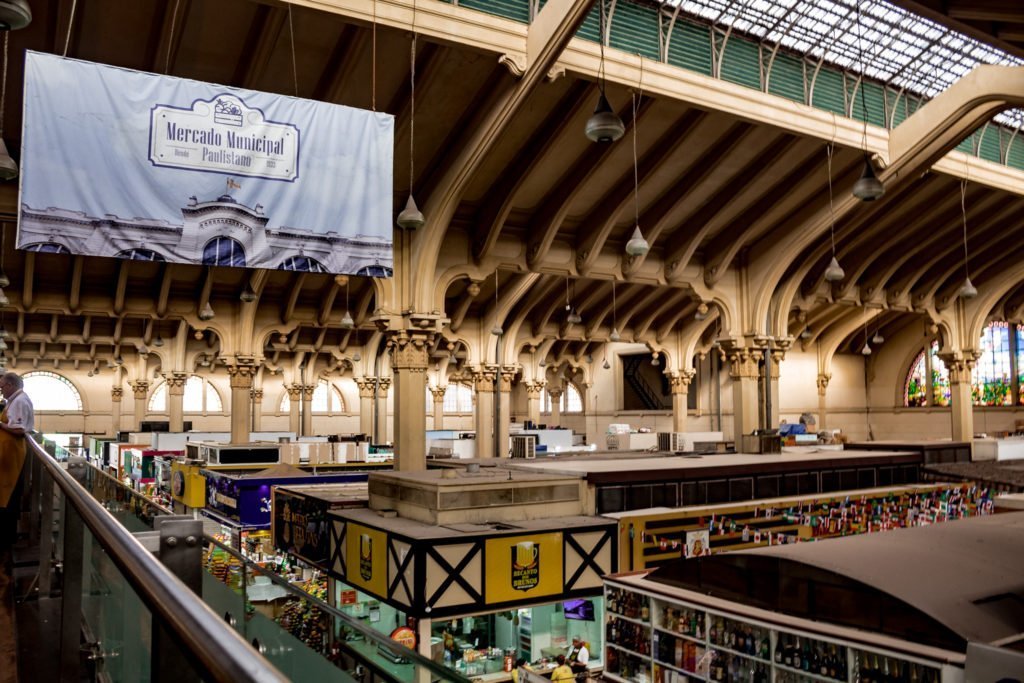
458 399
200 397
50 391
571 401
224 251
327 400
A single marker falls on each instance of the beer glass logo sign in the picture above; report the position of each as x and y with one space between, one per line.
366 557
525 565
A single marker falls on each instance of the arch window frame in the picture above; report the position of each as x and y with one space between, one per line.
323 394
214 252
459 399
159 399
39 397
571 397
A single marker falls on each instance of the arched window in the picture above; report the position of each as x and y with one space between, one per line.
458 399
941 395
915 390
200 397
48 248
376 270
572 400
302 264
327 400
992 383
140 255
223 251
50 391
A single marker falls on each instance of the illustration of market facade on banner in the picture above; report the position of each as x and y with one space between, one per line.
125 164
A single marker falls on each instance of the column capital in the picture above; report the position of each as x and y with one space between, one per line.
241 375
680 381
383 384
483 379
438 393
175 382
823 379
743 360
507 373
116 394
410 349
367 386
256 395
307 392
555 391
140 388
535 389
294 391
960 365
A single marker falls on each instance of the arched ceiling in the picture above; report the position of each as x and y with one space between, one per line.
715 188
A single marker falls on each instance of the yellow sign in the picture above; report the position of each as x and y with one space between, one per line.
523 567
366 559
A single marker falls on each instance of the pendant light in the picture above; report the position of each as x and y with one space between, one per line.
868 187
347 323
834 272
967 289
206 312
574 318
14 14
604 125
702 312
878 338
8 169
497 331
4 301
614 336
655 361
806 334
637 245
158 342
606 365
411 217
866 351
248 295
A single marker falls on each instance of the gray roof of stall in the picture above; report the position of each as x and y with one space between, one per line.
965 576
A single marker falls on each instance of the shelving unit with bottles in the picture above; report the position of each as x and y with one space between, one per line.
657 639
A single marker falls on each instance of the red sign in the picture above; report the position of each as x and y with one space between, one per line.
404 636
348 597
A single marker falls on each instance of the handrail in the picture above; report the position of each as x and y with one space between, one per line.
217 649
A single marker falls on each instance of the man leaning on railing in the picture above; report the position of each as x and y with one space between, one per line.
17 420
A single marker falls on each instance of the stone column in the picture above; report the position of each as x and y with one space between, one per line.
294 407
116 393
367 386
775 357
534 393
823 380
256 396
555 392
680 383
307 409
743 371
141 390
438 394
380 407
175 400
410 356
241 384
483 383
962 402
505 377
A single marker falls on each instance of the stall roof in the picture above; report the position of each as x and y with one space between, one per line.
941 585
419 530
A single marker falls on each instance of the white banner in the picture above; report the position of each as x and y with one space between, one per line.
121 163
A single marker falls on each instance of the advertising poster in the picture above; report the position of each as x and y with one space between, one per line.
134 165
523 567
300 527
366 559
698 543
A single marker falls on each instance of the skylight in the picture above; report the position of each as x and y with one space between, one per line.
888 43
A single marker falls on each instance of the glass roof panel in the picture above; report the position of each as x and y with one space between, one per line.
888 43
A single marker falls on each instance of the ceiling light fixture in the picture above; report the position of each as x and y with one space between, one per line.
4 301
878 339
637 246
411 217
574 318
806 334
701 312
159 341
347 323
868 187
604 125
248 295
14 14
206 312
655 361
834 272
866 351
967 289
614 336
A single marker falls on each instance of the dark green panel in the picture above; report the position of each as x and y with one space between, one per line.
690 47
787 78
635 29
828 92
740 63
1015 153
901 110
590 29
990 149
875 100
517 10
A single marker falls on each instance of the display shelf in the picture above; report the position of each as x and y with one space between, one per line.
691 674
628 651
806 674
755 658
618 679
683 636
632 620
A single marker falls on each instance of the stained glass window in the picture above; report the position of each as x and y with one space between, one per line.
915 392
991 381
1020 362
940 378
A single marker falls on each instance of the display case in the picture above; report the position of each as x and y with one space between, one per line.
656 639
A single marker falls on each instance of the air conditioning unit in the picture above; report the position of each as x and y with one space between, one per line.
240 454
524 446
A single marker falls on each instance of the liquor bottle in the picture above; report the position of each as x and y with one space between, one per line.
645 612
778 649
805 656
834 663
787 653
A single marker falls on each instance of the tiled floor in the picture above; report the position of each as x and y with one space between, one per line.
8 644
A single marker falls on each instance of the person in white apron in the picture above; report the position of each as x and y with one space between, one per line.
17 420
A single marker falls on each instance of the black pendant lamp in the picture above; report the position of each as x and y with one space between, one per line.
868 187
14 14
604 125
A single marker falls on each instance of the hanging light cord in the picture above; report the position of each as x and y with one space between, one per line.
170 36
496 298
373 61
412 101
614 317
963 212
600 42
863 77
636 172
295 69
71 23
3 84
829 149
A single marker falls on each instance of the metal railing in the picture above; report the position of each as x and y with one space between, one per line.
86 556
